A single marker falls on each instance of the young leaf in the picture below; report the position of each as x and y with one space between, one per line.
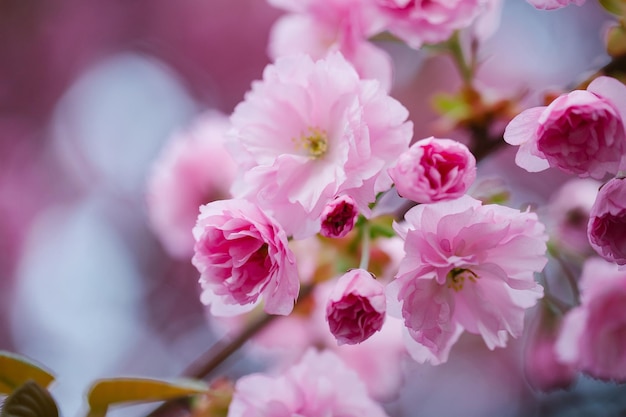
15 370
617 7
30 400
107 392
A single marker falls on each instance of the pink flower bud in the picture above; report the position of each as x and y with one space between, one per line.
434 170
543 370
607 222
356 308
339 217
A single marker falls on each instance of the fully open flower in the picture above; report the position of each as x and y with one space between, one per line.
193 169
581 132
242 254
434 170
419 22
607 222
468 267
318 28
319 385
593 335
312 130
356 308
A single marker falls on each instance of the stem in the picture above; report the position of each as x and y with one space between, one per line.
365 247
465 69
571 279
561 305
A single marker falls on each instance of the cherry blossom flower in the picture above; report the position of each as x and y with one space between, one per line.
468 267
592 335
319 385
568 214
356 308
242 254
420 22
318 28
434 170
312 130
554 4
193 169
581 132
607 222
339 217
543 370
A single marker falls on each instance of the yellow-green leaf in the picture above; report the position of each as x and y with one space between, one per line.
114 391
616 41
454 107
15 370
617 7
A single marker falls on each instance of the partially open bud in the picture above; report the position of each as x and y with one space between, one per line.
607 223
356 308
339 217
434 170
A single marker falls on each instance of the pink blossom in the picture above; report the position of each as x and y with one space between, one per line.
554 4
318 28
607 222
420 22
319 385
242 254
581 132
312 130
593 335
339 217
193 169
468 267
568 214
356 307
434 170
542 368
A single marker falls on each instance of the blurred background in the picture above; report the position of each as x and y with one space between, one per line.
91 90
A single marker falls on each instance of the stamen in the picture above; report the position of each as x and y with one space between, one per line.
316 143
457 276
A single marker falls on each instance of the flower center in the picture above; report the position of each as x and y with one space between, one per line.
315 143
457 276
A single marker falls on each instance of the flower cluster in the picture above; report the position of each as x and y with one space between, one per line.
393 234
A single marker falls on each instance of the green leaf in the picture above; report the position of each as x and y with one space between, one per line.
616 41
454 107
616 7
381 230
30 400
15 370
107 392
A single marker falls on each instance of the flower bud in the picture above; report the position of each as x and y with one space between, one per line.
544 371
356 308
434 170
339 217
607 222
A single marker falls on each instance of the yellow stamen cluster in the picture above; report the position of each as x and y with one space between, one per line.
315 143
457 276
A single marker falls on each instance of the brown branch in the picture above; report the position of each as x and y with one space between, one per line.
217 354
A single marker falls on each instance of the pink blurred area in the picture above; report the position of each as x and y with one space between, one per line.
91 91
